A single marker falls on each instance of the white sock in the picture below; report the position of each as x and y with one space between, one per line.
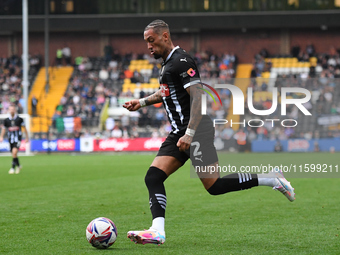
158 224
264 180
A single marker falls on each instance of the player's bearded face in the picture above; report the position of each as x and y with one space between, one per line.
12 110
155 43
157 56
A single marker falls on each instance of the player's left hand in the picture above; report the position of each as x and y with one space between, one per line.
184 142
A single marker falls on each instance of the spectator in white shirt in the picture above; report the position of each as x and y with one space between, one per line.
67 55
116 132
103 74
109 124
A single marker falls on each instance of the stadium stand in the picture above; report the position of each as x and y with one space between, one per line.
10 80
48 96
101 83
318 73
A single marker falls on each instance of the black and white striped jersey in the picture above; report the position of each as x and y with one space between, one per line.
178 72
13 126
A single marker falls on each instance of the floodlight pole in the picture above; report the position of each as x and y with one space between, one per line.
47 52
25 53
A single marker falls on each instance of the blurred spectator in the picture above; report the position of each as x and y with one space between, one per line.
34 103
70 111
35 62
241 139
78 60
66 52
125 121
255 72
227 132
108 51
125 133
278 146
116 132
59 57
159 117
134 117
310 49
261 133
109 124
289 132
264 53
144 118
103 74
134 132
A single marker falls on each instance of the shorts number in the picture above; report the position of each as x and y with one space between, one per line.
196 150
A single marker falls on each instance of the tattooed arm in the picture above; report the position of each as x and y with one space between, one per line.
195 116
135 104
154 98
195 93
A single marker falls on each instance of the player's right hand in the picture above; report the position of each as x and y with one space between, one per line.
132 105
1 139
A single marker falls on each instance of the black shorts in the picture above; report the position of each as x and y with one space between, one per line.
202 151
14 145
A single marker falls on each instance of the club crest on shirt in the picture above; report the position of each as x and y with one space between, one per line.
164 90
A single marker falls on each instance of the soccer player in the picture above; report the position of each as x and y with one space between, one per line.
180 91
13 124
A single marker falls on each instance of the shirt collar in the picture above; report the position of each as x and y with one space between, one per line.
14 117
170 54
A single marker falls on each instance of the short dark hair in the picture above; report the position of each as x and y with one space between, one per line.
158 26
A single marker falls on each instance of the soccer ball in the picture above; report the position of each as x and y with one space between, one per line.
101 233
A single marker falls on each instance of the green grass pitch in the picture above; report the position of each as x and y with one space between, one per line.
46 208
